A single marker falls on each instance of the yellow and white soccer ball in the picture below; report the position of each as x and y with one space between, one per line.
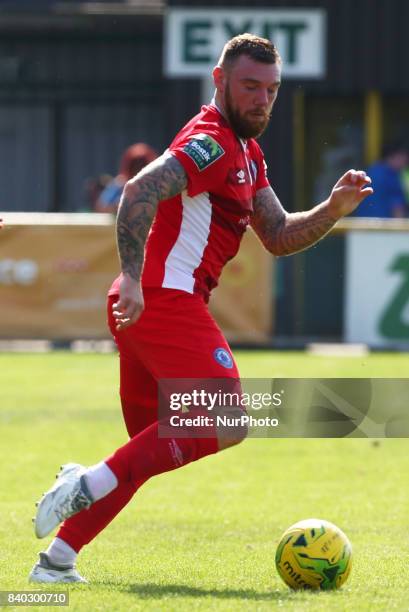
314 554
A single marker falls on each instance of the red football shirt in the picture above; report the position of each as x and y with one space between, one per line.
195 233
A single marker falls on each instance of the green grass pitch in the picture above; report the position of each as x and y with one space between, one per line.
204 537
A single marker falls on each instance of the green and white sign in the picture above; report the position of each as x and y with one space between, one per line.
194 38
377 289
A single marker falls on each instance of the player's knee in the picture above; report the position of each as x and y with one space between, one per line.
229 442
233 429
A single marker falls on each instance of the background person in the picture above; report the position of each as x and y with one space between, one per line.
93 187
388 199
135 157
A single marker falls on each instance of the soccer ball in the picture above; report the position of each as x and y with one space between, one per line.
314 554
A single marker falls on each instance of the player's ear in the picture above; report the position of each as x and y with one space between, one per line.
219 78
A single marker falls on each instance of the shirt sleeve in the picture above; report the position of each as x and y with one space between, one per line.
204 158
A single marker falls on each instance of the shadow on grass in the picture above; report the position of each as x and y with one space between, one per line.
159 591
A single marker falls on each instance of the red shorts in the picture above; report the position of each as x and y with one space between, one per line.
175 337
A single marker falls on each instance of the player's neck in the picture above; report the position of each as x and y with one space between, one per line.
218 103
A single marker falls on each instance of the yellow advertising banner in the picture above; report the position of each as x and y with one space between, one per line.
242 304
55 271
54 279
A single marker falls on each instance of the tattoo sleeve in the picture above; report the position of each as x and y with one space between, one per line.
284 233
160 180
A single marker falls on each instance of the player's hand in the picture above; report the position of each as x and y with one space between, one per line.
353 187
130 305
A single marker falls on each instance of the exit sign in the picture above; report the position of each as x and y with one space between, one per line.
194 38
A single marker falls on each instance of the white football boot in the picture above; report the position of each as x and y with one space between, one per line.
67 497
45 571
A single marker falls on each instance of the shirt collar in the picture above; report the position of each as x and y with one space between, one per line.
213 103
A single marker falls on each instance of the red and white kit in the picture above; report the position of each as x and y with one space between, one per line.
194 234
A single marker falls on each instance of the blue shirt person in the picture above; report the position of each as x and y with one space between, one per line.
388 199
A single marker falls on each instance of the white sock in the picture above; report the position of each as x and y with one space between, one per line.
100 480
61 553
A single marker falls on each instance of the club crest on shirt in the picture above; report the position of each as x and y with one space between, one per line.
203 150
223 357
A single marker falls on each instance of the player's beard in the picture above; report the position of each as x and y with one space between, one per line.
244 127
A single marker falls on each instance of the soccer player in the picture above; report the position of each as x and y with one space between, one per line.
179 221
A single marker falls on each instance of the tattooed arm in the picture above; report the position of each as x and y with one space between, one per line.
284 233
160 180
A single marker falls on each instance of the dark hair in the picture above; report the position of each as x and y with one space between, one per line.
255 47
391 148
